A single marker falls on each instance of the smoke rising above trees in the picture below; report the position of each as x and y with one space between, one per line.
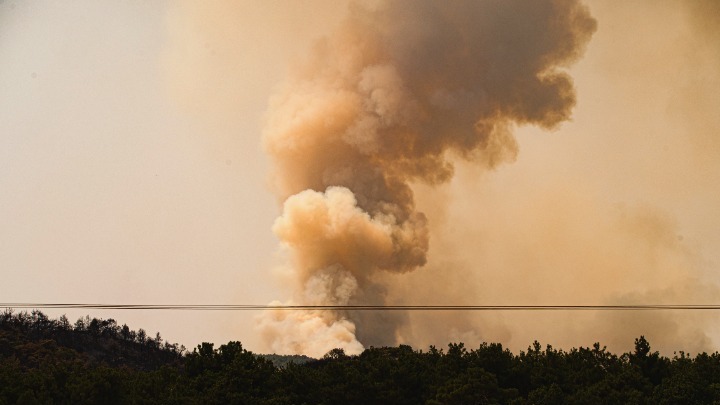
391 98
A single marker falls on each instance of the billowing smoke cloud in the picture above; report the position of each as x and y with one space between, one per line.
619 208
388 100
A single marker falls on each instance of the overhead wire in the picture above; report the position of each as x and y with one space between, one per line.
271 307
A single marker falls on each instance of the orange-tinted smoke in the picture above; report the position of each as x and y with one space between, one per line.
387 99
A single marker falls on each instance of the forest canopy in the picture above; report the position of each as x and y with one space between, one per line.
94 360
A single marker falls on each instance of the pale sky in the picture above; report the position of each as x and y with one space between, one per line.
132 169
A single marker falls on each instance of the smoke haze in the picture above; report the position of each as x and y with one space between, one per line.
618 209
420 153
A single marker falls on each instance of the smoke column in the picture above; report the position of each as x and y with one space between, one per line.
388 100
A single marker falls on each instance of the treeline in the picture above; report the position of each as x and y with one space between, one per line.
95 361
99 340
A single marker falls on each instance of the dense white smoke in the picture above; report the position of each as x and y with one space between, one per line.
390 98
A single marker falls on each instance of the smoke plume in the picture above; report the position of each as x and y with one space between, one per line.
397 92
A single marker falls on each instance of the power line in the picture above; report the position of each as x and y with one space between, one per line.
253 307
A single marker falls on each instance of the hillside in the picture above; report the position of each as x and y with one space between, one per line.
95 361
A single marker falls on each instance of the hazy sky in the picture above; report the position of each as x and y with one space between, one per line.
132 171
